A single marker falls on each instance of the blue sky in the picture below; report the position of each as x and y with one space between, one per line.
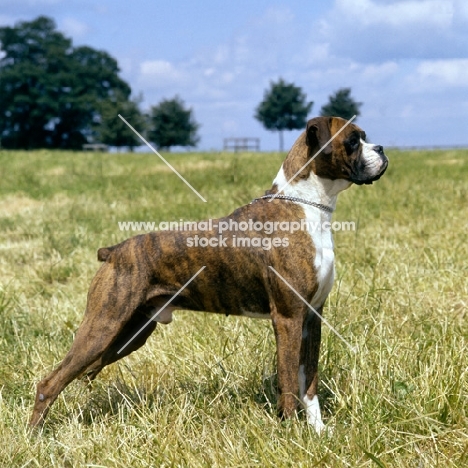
405 60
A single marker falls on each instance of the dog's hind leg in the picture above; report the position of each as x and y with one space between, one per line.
91 341
105 318
112 354
308 369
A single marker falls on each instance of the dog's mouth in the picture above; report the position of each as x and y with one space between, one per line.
360 180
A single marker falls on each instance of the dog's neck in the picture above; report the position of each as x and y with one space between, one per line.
297 178
314 188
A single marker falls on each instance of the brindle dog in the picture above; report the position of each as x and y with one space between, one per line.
142 273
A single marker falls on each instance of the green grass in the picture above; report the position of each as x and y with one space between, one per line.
202 391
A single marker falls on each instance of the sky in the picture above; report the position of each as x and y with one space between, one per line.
405 60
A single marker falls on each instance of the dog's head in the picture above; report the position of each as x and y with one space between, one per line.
340 151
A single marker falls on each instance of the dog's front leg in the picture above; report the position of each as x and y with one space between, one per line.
288 332
308 369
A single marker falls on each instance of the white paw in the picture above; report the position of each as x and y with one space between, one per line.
314 416
318 425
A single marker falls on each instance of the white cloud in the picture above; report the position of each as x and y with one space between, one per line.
265 42
156 73
378 72
444 72
230 70
377 30
221 54
157 67
276 16
73 27
320 51
402 13
461 8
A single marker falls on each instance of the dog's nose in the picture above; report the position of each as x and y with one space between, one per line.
379 149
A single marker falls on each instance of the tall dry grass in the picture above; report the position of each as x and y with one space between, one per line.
202 392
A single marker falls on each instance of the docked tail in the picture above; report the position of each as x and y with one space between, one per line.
104 252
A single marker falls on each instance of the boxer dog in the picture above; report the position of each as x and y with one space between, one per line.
149 276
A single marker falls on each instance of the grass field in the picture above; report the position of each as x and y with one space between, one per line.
202 392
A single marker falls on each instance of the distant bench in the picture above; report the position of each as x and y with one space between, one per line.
95 147
242 144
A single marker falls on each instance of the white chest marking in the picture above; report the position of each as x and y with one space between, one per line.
322 191
324 256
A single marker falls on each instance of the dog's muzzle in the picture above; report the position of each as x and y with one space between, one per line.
362 175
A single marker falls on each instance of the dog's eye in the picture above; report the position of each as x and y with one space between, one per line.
354 142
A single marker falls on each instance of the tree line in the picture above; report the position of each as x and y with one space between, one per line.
56 95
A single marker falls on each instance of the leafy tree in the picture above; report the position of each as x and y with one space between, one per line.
113 131
170 124
341 104
284 107
50 92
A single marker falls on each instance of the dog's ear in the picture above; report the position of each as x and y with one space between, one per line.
318 134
